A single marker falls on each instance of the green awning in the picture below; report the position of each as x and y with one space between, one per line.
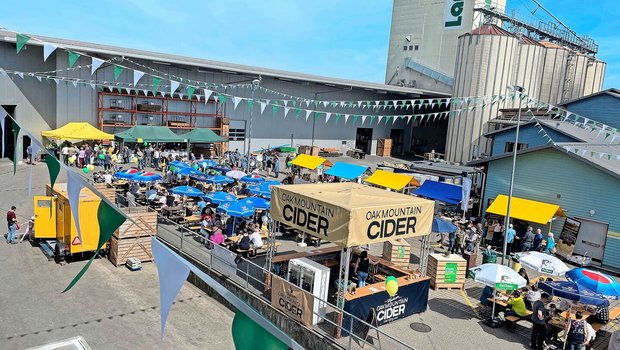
149 133
203 135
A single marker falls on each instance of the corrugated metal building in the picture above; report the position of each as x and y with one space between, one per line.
43 105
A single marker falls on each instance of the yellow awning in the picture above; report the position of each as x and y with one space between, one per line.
77 131
308 161
525 209
394 181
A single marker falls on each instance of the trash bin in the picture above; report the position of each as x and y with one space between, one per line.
489 257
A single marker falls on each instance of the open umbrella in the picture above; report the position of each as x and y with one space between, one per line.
257 202
200 177
179 164
595 281
271 183
220 197
219 180
236 209
497 276
126 174
235 174
260 190
187 171
542 263
146 176
252 179
187 191
442 226
572 291
208 163
221 169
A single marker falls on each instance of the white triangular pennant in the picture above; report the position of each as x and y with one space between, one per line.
286 109
74 186
341 104
307 104
38 78
208 94
180 95
20 74
327 116
137 75
236 101
409 118
47 50
363 119
346 118
74 82
380 117
262 106
95 65
174 85
57 81
325 103
93 86
145 92
394 118
308 112
600 155
285 103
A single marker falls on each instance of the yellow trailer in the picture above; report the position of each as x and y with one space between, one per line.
57 227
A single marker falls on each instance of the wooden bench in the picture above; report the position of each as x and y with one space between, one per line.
597 326
254 252
513 319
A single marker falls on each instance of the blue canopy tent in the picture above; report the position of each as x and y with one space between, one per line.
346 170
440 191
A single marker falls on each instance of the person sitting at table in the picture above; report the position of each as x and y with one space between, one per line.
552 331
131 199
601 315
134 188
487 293
523 274
151 194
108 178
516 305
577 333
217 237
255 237
245 243
361 268
230 227
201 205
205 229
244 191
170 200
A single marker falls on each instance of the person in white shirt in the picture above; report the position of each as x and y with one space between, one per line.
107 178
255 237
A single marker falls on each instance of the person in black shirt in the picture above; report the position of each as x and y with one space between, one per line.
361 268
539 320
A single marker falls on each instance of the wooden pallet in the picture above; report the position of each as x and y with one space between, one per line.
436 270
121 250
448 286
397 252
144 223
107 192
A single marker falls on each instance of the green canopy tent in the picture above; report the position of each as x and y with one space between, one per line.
203 135
150 133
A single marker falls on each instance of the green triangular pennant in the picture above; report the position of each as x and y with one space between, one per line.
117 71
297 113
190 92
249 335
387 119
156 83
53 167
109 221
16 129
275 110
607 135
250 105
73 57
355 118
337 117
372 119
20 41
223 98
317 115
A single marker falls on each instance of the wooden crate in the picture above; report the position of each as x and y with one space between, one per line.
122 249
384 147
145 223
436 270
107 192
397 252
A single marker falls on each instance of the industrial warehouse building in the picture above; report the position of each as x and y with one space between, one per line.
44 95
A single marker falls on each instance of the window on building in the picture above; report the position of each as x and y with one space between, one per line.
405 48
236 134
510 146
416 47
410 47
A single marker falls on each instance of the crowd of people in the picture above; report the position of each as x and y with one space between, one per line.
520 237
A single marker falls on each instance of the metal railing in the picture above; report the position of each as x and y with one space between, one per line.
251 278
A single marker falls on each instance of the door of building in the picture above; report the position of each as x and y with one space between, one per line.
397 141
591 238
8 134
363 139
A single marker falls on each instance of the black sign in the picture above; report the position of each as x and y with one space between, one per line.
410 299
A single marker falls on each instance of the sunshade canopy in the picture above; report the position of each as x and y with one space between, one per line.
346 170
77 131
391 180
308 161
350 214
440 191
149 133
203 135
525 209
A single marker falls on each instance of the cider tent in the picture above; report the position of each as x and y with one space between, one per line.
350 214
77 131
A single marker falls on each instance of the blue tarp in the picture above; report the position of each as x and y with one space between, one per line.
440 191
346 170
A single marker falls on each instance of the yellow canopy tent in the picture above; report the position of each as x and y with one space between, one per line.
390 180
525 209
350 214
77 131
310 162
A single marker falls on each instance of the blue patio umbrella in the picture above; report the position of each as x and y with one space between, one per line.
147 177
573 291
442 226
252 179
272 183
200 177
257 202
208 163
220 197
126 174
187 191
221 169
219 180
595 281
187 171
236 209
179 164
261 190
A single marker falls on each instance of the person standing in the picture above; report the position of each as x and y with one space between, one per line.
156 159
29 152
528 240
81 157
550 247
539 319
88 153
276 166
11 220
65 154
538 237
510 238
148 152
498 228
361 268
577 333
107 160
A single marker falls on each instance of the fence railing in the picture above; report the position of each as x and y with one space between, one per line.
251 277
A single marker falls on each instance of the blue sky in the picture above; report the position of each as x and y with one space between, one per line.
337 38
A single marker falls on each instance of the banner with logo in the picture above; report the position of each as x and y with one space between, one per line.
292 300
453 14
410 299
350 214
568 237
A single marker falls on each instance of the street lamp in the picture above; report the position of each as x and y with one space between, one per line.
515 89
255 84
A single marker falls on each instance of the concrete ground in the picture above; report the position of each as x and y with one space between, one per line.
112 308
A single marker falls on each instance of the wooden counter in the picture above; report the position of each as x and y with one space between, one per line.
313 252
380 287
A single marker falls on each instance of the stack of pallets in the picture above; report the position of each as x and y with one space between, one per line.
447 272
133 239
